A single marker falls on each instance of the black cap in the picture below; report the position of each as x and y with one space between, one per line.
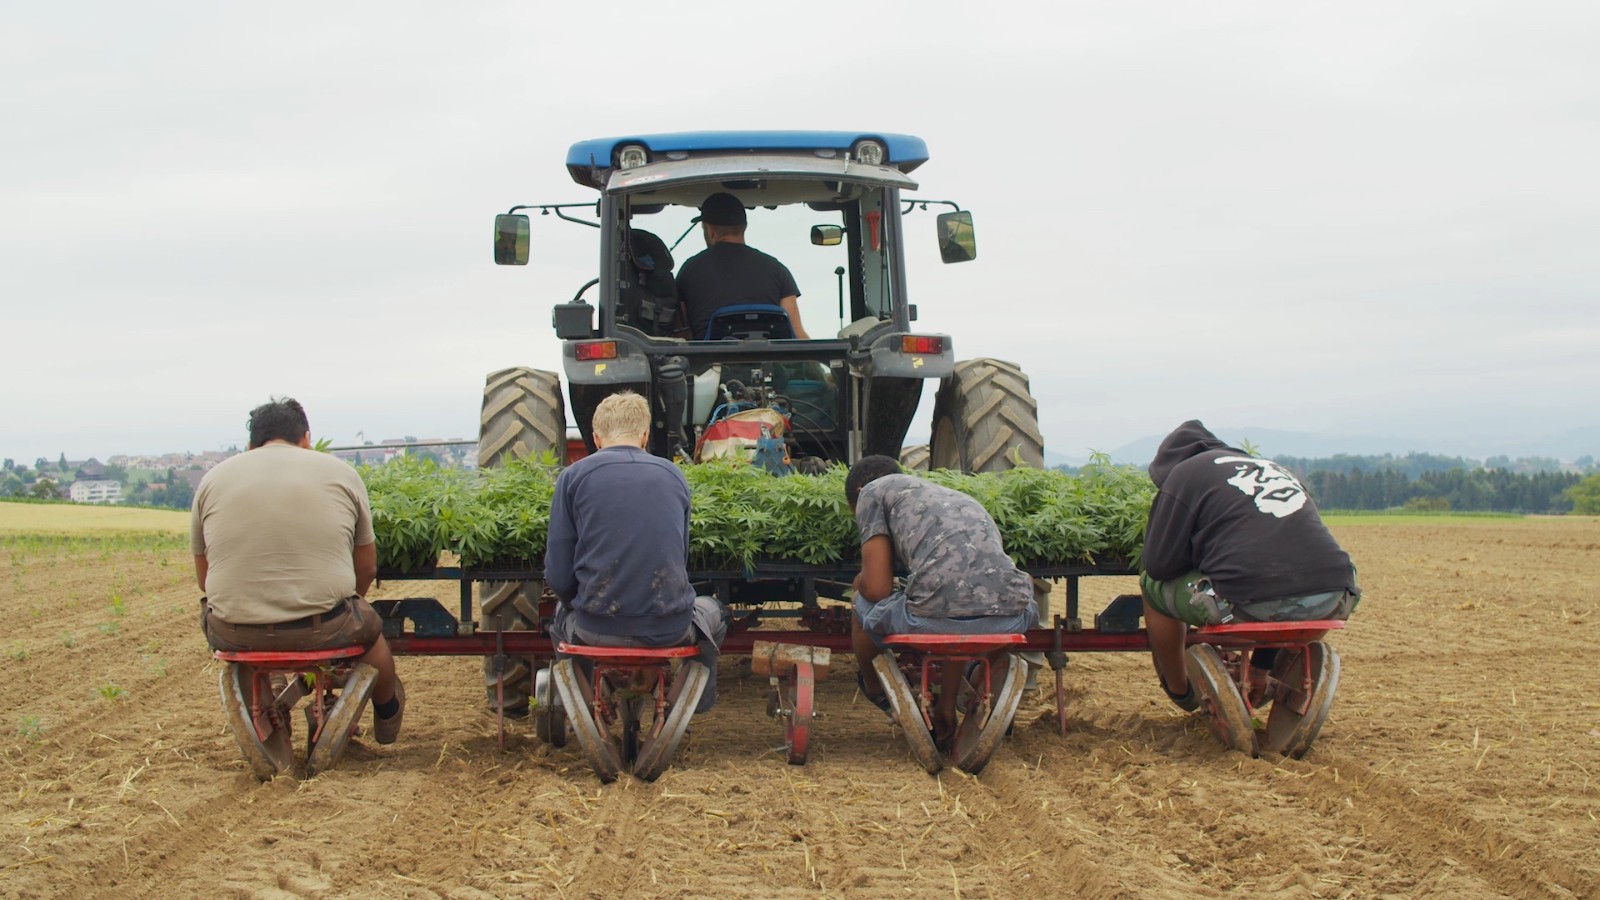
722 209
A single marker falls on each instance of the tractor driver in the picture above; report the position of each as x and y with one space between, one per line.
618 552
284 551
730 272
960 579
1232 536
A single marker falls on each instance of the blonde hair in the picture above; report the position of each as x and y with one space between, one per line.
621 418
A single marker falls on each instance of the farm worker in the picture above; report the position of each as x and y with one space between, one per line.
1232 537
618 551
959 581
730 272
284 551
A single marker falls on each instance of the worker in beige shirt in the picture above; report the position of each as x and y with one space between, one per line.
284 551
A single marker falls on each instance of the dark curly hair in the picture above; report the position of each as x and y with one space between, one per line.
868 470
280 419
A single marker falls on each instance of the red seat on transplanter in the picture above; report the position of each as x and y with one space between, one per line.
258 710
632 711
954 644
984 716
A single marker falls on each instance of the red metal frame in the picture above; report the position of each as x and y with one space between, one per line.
532 643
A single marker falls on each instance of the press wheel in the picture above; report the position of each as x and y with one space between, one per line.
578 700
907 713
549 717
982 729
340 724
1303 683
1224 708
797 729
262 731
662 744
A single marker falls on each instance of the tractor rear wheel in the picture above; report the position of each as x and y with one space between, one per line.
523 417
915 457
986 420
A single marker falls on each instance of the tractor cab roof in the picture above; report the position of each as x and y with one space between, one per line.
594 162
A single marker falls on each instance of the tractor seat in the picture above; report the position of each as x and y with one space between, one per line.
748 321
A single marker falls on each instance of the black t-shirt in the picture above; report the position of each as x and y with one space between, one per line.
728 274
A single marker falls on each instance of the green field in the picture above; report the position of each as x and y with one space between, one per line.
72 519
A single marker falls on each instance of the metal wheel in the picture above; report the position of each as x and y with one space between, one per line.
1304 681
797 730
907 713
261 729
977 741
549 717
523 417
662 744
340 725
986 420
1224 708
577 698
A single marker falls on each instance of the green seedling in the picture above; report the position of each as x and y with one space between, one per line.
111 693
110 629
19 652
68 639
29 728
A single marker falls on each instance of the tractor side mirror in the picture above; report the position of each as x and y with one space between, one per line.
827 235
511 239
957 241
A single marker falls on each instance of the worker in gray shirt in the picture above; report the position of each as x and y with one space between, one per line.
959 578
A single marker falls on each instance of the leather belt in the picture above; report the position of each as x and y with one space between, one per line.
334 612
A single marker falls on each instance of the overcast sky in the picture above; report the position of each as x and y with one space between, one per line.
1334 218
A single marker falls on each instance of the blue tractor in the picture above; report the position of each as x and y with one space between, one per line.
834 206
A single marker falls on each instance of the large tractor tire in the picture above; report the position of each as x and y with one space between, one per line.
915 457
523 416
985 420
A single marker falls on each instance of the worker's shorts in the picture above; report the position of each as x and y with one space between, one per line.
1185 599
890 616
350 622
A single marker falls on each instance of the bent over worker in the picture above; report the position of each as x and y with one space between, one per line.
959 581
1232 536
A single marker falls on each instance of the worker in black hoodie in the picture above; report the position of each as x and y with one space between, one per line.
1232 537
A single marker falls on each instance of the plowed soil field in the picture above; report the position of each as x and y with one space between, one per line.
1462 758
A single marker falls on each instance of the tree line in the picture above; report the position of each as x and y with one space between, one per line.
1432 483
1465 490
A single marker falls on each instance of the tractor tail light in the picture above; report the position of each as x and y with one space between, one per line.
921 343
596 350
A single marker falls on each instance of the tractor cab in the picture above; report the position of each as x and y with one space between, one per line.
844 366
